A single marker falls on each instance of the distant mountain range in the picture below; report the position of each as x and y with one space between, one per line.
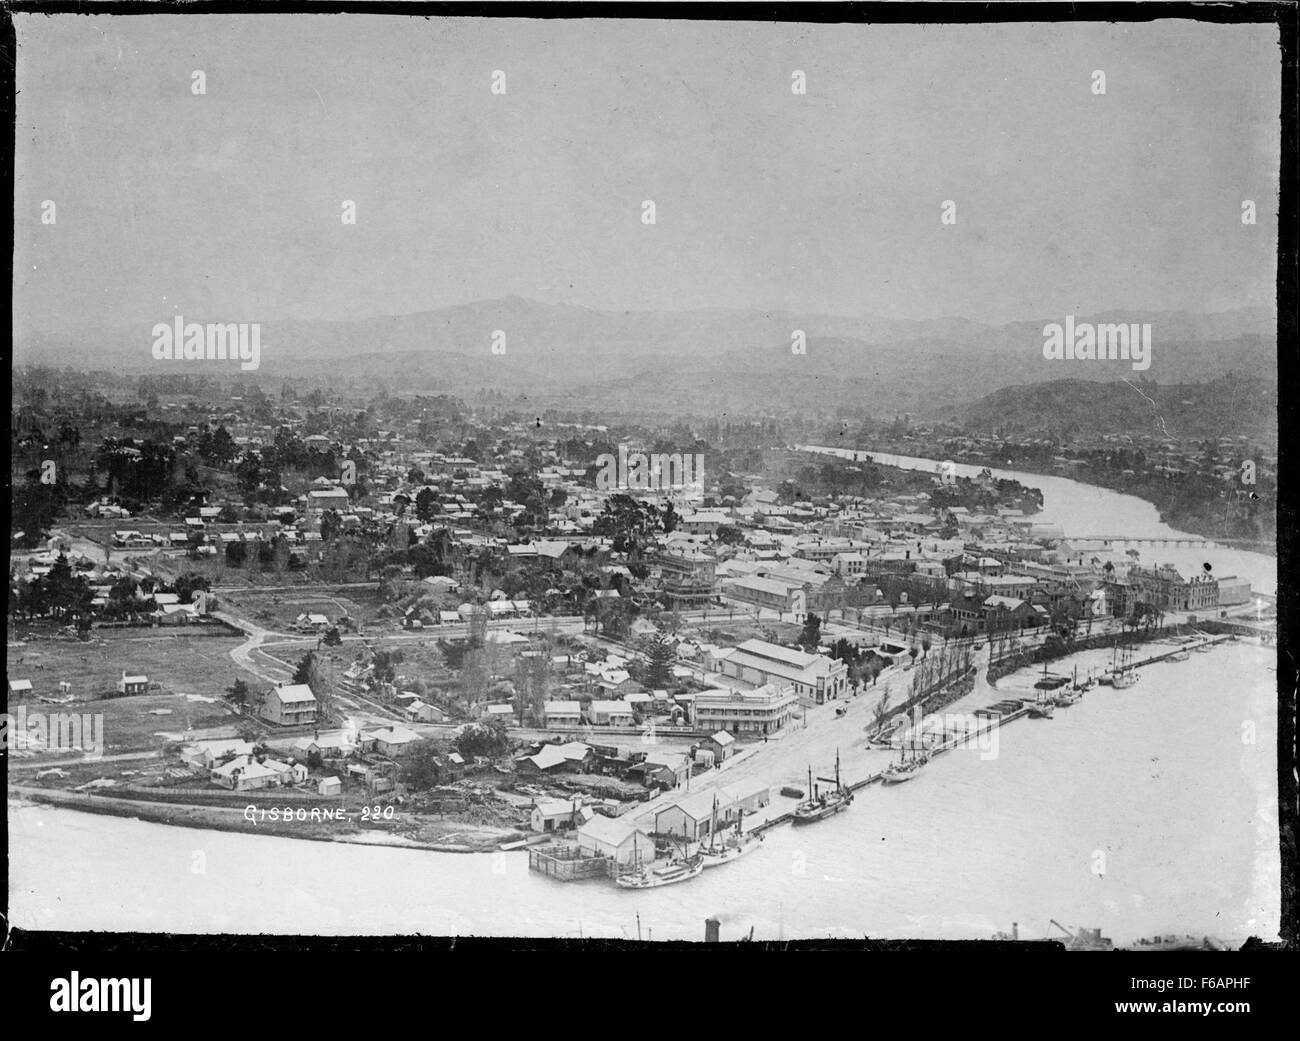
1223 407
642 362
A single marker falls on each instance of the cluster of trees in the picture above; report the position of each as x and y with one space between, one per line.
985 494
864 664
65 596
61 594
949 662
34 507
630 522
422 768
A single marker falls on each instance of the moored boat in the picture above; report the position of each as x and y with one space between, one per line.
897 773
664 875
1122 674
733 847
823 804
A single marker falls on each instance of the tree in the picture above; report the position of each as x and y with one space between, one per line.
188 584
488 739
422 767
613 614
453 654
385 664
810 637
729 535
238 693
302 674
660 657
330 523
426 504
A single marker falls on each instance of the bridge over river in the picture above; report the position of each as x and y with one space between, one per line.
1159 540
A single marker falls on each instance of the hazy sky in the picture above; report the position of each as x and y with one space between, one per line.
227 206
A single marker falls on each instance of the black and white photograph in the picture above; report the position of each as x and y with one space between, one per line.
648 477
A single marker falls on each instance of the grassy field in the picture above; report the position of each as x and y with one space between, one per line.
142 723
278 610
179 662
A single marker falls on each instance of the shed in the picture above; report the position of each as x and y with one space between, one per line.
618 838
692 816
555 815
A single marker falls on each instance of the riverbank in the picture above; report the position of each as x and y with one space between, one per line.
781 762
314 823
1204 520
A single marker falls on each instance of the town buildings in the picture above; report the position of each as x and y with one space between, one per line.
813 677
290 705
747 712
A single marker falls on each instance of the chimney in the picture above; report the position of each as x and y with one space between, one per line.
1015 930
711 929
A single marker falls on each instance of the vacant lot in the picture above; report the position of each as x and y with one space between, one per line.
143 723
179 662
278 610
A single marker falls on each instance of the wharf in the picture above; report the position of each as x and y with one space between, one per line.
996 717
1207 642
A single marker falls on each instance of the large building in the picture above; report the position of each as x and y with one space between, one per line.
290 705
687 577
762 711
1233 590
1166 590
785 596
814 677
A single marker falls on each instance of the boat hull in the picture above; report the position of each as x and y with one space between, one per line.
731 853
649 880
821 812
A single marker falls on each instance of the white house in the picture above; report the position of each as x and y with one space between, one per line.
611 713
557 815
132 684
244 773
392 741
290 705
562 713
201 755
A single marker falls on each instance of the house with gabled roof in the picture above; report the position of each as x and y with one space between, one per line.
291 704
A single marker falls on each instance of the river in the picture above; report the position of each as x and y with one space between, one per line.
1147 810
1085 509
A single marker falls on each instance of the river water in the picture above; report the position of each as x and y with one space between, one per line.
1140 811
1085 509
